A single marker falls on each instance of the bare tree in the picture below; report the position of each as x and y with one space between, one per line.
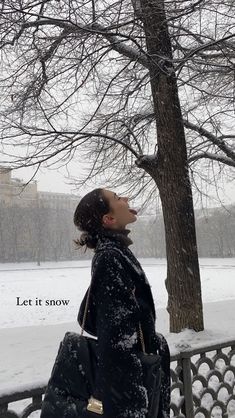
103 81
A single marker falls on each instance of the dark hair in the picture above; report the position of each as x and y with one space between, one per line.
88 217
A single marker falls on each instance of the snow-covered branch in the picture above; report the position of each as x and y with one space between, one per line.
213 138
116 41
214 157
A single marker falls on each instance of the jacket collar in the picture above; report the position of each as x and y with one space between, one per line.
119 236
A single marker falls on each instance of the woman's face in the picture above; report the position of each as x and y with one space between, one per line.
120 213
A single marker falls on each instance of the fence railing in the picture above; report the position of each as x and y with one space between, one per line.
203 382
202 386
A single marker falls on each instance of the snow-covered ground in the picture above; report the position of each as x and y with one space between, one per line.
68 281
30 333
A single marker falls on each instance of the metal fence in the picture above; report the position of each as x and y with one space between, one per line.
202 386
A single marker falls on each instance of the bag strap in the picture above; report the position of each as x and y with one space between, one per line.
85 310
141 334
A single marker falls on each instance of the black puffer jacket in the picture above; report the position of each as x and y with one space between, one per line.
113 316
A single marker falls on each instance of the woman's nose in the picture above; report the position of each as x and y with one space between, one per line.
126 199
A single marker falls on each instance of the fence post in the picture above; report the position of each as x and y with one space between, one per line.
188 408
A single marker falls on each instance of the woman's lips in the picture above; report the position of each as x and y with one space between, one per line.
133 211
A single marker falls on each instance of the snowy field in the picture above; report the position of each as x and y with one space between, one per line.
30 332
53 283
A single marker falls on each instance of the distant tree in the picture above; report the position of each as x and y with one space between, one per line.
222 226
129 61
216 231
3 254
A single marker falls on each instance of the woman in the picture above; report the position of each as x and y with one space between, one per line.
120 299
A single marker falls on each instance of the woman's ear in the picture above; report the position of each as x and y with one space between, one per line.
108 220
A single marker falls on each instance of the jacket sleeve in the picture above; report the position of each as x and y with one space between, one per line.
119 378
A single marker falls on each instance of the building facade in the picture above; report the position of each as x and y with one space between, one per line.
15 192
34 225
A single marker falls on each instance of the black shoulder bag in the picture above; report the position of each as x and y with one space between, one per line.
71 385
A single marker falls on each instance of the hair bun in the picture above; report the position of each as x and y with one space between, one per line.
85 238
88 239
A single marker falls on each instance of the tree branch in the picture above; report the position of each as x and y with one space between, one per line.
213 157
202 48
93 28
214 139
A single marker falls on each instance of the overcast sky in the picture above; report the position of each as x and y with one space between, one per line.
58 181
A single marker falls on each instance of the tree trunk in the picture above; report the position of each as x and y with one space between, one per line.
170 172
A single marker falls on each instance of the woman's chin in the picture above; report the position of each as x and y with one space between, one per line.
134 219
